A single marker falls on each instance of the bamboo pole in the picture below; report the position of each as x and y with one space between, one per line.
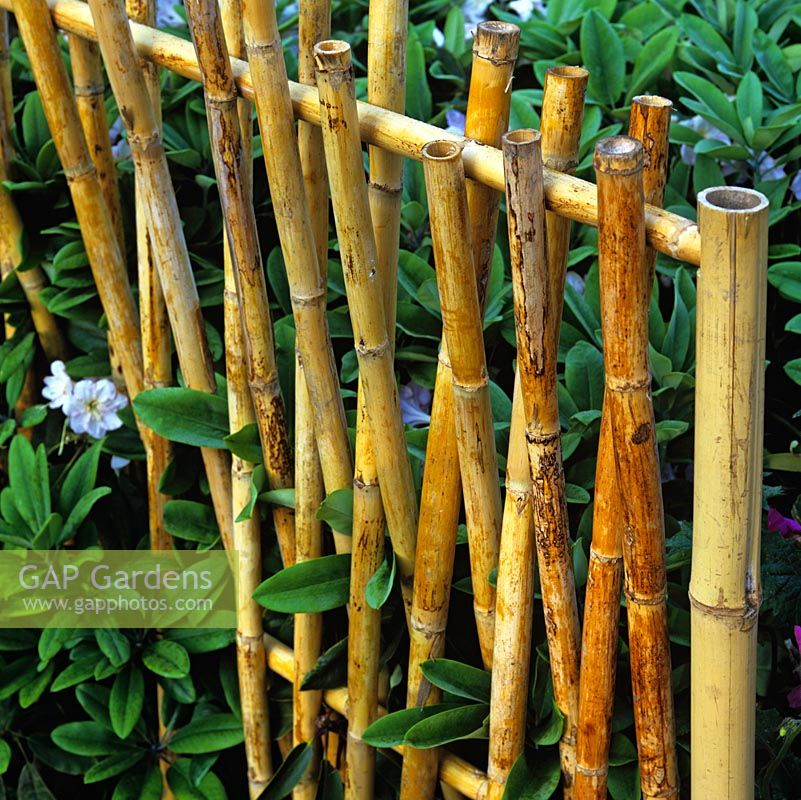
725 587
166 232
570 197
373 348
243 244
314 25
304 274
624 304
108 268
87 80
31 280
494 53
648 123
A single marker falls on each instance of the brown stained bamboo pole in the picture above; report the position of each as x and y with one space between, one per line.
87 81
108 268
242 240
307 287
624 305
166 232
725 586
570 197
314 25
649 122
373 347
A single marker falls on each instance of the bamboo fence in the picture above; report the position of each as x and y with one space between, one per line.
542 200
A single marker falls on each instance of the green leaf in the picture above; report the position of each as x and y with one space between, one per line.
533 776
749 104
15 675
623 783
51 640
794 324
32 691
464 722
280 497
773 62
126 700
668 429
602 54
29 481
245 443
550 731
5 756
337 511
309 587
185 415
192 521
655 55
140 785
114 645
166 658
22 351
35 132
330 671
113 765
75 673
418 94
793 370
80 479
715 107
390 731
786 277
201 640
576 494
454 31
31 786
459 679
584 376
287 776
621 751
379 587
85 739
94 700
81 511
207 735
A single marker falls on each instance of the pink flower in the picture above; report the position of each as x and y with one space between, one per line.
786 526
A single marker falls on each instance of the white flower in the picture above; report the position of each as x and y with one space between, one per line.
795 185
415 403
525 8
474 11
58 387
94 406
456 121
707 131
118 463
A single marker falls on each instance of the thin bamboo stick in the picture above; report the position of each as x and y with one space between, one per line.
108 268
314 25
725 587
242 240
87 80
373 348
494 53
624 303
291 210
649 122
166 232
568 196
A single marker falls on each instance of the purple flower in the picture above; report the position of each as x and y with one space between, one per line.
795 185
456 121
787 527
415 403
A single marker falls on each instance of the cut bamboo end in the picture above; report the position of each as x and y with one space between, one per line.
618 155
562 115
724 584
332 55
496 42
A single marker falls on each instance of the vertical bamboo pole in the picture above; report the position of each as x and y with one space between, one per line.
31 280
314 25
494 54
242 241
305 276
87 80
164 226
624 305
725 587
108 268
649 122
373 348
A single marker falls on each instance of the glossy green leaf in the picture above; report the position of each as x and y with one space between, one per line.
309 587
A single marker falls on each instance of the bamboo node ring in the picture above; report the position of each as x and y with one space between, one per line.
79 173
599 772
647 600
623 386
375 351
742 617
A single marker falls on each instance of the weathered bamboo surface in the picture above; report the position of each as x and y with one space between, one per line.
570 197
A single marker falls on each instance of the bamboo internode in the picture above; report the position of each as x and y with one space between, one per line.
725 587
624 304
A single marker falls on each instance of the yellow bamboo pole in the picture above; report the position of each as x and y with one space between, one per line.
166 233
108 267
373 348
291 209
314 25
624 304
725 587
649 122
243 244
570 197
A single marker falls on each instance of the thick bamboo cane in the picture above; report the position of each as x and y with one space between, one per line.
87 80
648 122
494 53
725 587
373 348
291 209
166 232
31 280
314 25
243 244
568 196
624 308
108 267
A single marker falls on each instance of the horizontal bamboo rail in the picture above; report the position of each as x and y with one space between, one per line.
570 197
